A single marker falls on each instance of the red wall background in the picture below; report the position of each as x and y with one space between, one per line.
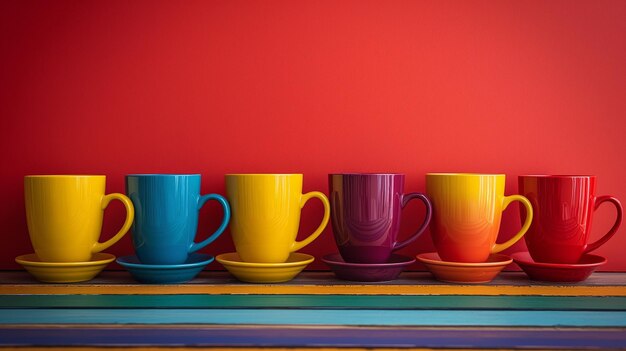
214 87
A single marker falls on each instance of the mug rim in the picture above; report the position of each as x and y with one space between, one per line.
261 174
556 176
163 175
367 174
466 174
63 175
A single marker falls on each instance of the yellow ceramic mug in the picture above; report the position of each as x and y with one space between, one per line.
467 209
266 215
64 215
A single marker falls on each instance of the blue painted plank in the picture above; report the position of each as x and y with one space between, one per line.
316 317
320 337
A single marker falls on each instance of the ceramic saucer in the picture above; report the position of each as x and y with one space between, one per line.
367 272
558 272
165 273
264 272
64 272
461 272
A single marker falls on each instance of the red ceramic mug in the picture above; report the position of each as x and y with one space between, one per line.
563 208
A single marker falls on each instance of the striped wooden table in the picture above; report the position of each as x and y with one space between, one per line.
315 310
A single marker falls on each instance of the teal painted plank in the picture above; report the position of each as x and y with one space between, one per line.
316 317
613 303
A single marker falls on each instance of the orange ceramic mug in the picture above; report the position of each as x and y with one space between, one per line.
467 209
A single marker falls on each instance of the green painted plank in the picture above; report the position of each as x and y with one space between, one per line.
613 303
317 317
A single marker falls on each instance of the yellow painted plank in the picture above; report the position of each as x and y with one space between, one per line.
318 283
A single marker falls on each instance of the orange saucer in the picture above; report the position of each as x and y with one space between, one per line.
461 272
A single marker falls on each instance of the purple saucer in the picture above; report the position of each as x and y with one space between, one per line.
368 272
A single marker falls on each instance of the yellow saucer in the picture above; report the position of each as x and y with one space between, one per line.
264 272
64 272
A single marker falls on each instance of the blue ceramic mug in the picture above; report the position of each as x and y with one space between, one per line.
166 216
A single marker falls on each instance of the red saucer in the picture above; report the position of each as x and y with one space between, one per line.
558 272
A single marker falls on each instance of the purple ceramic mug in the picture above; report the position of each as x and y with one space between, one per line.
365 215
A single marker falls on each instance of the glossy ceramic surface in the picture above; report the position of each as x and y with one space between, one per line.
365 213
166 274
563 208
558 272
368 272
266 215
462 272
166 216
64 215
265 272
467 209
64 272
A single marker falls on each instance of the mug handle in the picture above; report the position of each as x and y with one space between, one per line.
306 197
429 210
529 218
203 200
618 221
130 216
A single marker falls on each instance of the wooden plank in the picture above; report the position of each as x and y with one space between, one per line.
316 290
391 302
247 336
324 278
310 283
317 317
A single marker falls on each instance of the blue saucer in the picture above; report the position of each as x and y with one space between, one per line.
165 273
